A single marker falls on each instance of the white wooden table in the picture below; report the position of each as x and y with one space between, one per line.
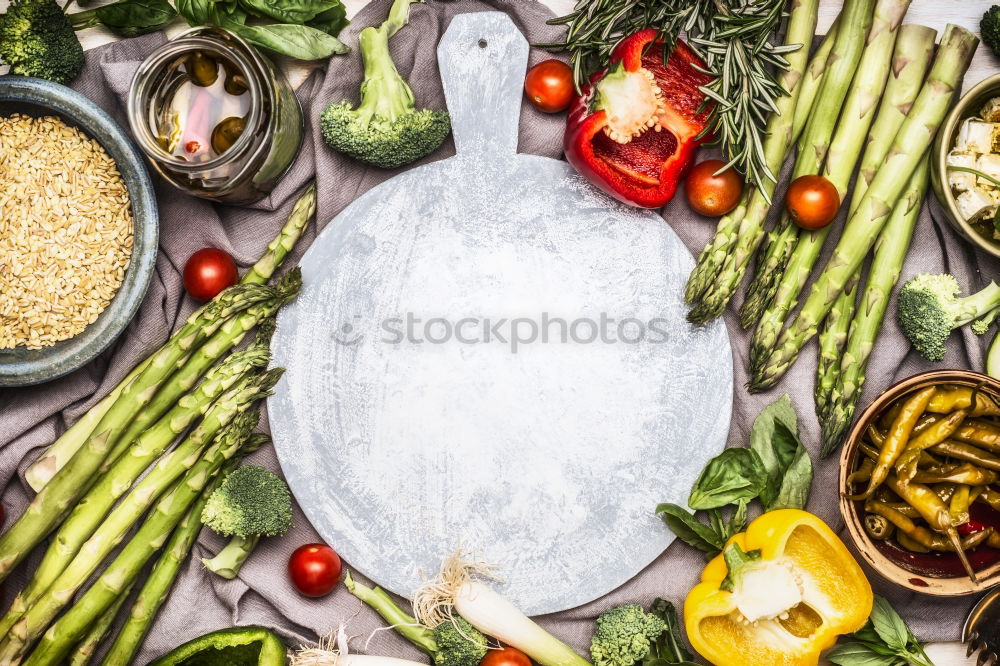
934 13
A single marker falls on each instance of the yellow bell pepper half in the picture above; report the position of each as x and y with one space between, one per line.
778 595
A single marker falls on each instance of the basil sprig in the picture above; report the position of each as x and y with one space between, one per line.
668 649
775 469
885 640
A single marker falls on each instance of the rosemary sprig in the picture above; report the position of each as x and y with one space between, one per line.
733 37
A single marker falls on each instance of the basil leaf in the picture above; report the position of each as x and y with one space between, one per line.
332 21
689 529
130 18
195 12
775 446
668 648
289 11
296 41
796 482
733 475
739 520
858 654
888 625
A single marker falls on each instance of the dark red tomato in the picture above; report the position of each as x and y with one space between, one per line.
507 656
209 271
314 569
812 202
549 86
710 194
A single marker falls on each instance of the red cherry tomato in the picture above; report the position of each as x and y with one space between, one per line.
507 656
209 271
812 202
713 195
314 569
549 86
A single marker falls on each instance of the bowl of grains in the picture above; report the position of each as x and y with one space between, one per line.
78 230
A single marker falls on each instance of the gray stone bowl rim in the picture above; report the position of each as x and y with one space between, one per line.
22 367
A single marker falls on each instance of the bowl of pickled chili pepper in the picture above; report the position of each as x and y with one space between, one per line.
920 483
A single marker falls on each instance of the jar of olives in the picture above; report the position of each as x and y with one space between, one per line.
215 117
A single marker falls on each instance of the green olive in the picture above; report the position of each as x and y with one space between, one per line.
236 84
226 133
203 69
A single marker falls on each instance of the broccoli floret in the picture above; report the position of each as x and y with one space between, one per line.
989 28
386 130
624 636
249 504
981 326
929 308
452 643
37 39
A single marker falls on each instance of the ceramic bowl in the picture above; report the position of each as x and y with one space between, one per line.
35 97
966 107
883 558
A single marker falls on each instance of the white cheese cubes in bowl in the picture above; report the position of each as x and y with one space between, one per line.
965 165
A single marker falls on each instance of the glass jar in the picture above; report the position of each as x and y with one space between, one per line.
174 97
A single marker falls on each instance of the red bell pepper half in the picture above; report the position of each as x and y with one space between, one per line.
634 130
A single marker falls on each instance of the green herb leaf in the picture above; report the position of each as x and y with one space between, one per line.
130 18
889 626
733 475
690 530
332 21
669 647
195 12
796 484
774 438
739 520
289 11
296 41
736 559
859 654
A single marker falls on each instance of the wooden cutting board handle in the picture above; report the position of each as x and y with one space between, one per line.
483 58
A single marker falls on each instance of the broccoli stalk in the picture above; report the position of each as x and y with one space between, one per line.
386 130
454 643
251 503
929 308
37 39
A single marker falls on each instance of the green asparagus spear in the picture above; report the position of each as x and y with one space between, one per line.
148 539
279 248
832 340
801 27
812 80
229 378
63 449
84 652
890 251
914 137
845 149
911 58
161 579
853 54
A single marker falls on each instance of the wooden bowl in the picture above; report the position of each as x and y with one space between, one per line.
892 569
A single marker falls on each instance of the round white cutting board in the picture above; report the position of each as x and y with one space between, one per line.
489 353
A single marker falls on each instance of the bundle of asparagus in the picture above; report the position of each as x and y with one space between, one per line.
154 447
874 209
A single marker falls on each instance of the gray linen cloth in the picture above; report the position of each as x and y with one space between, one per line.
30 418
